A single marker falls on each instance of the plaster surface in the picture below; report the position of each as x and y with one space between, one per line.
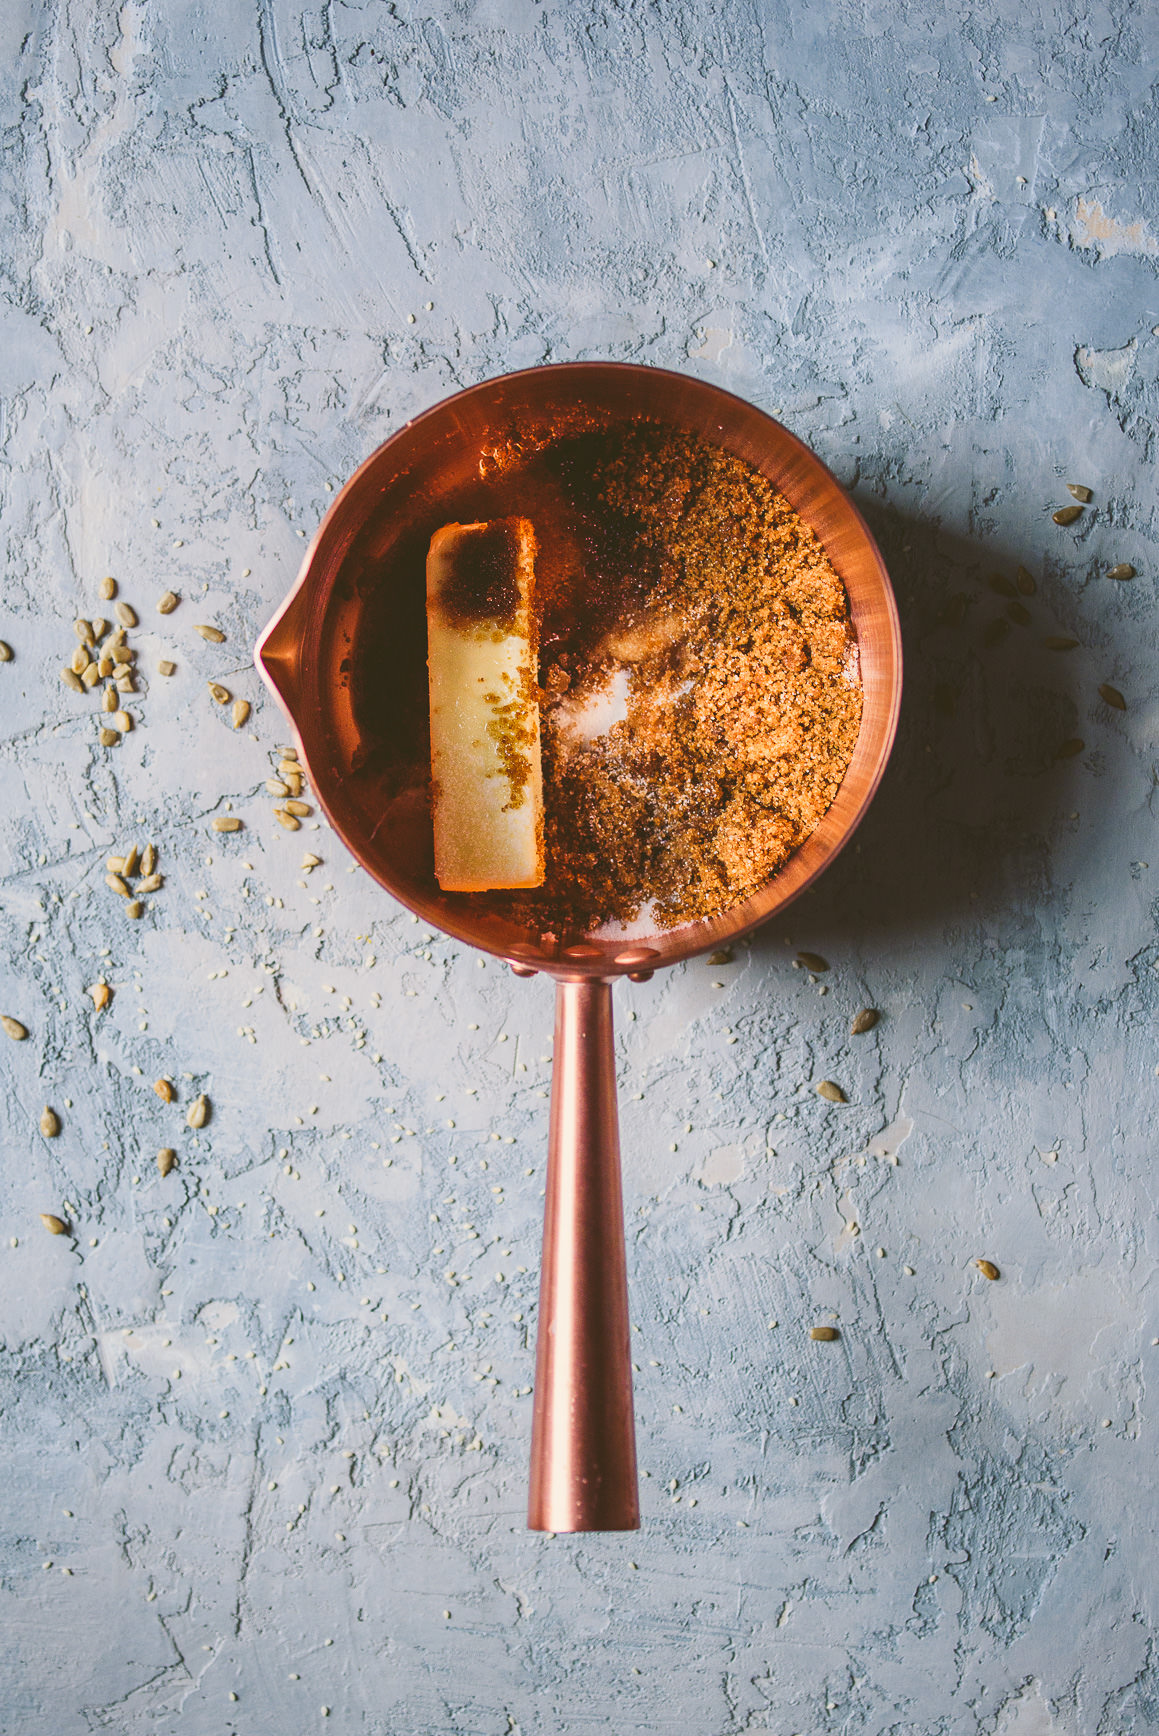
256 1442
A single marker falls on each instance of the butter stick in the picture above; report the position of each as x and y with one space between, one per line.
482 656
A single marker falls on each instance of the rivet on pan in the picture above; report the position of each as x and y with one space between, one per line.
641 976
523 970
637 955
582 951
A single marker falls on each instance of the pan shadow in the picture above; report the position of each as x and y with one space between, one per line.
985 764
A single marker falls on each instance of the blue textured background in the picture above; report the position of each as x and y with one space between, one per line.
255 1442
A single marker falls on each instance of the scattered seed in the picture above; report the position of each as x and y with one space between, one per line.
79 660
109 699
5 651
72 679
227 823
108 737
289 768
1059 642
107 589
309 861
115 864
116 637
148 858
49 1123
167 603
824 1334
1079 492
988 1269
166 1159
84 631
132 862
105 667
276 788
213 634
1070 748
101 994
135 909
220 693
813 961
995 632
1112 696
165 1091
1018 613
100 626
722 956
299 809
123 659
198 1112
165 667
122 721
1000 584
1066 514
117 884
90 676
54 1225
241 711
286 820
125 614
150 883
831 1092
14 1028
864 1021
1124 570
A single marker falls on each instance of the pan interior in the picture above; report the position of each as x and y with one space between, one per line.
360 693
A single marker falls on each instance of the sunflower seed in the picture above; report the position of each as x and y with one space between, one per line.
198 1112
131 862
1070 748
1025 582
5 651
213 634
309 861
116 637
72 679
79 660
107 589
294 783
722 956
1059 642
1066 514
84 631
125 683
109 699
1124 570
1079 492
165 667
167 603
148 858
123 656
101 994
864 1021
831 1092
117 884
824 1334
166 1159
1018 613
90 676
54 1225
276 788
49 1123
300 809
988 1269
813 961
241 711
1112 696
14 1028
287 820
289 768
150 883
105 667
115 864
227 823
220 693
134 909
108 737
165 1091
125 614
122 721
1000 584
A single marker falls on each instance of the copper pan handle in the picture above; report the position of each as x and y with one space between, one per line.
583 1441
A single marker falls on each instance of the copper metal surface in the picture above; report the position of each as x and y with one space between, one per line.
583 1473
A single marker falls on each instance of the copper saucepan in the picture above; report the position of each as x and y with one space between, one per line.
361 586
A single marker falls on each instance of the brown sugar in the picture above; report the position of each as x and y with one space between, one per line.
709 615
